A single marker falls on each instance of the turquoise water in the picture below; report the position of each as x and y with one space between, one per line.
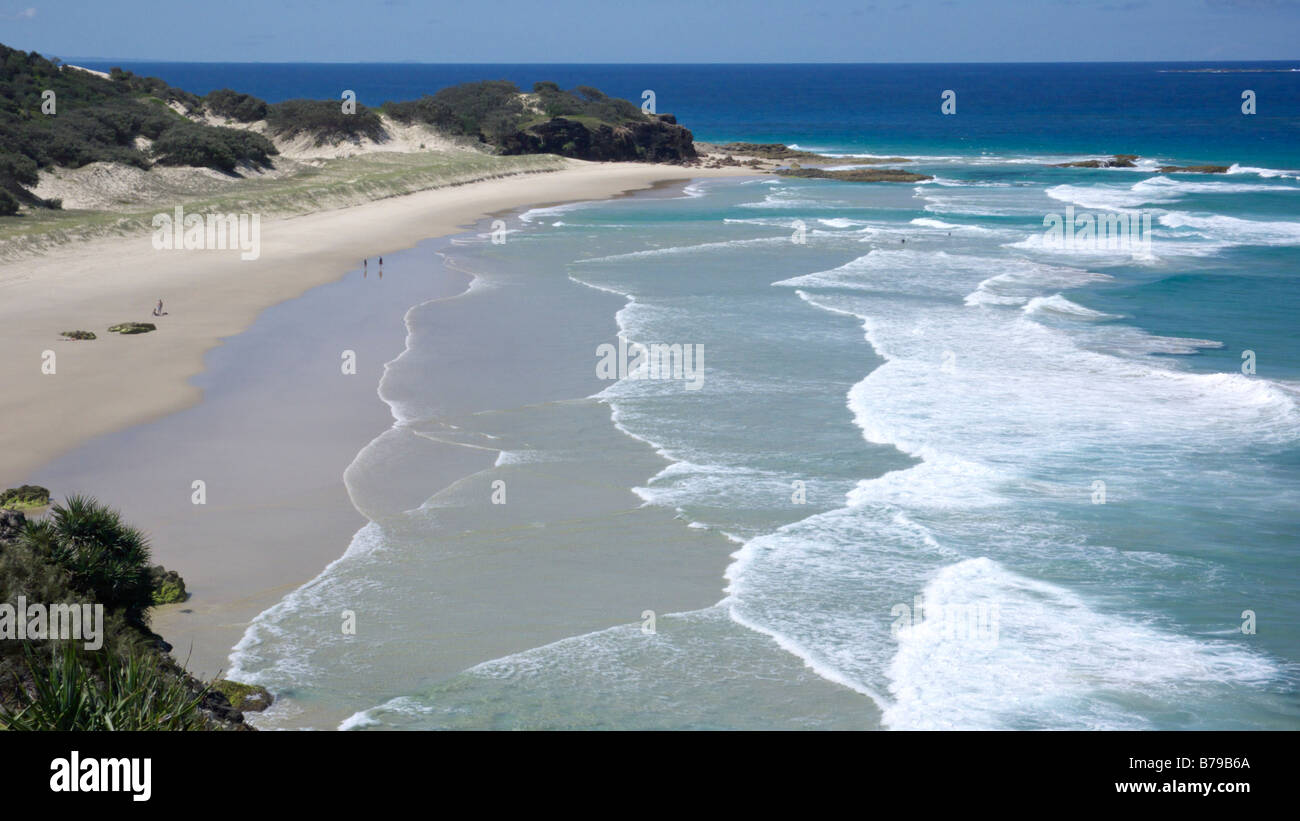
949 392
1058 452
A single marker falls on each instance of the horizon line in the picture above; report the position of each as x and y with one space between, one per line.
675 63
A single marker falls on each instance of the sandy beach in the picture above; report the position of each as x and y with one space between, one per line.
262 533
117 381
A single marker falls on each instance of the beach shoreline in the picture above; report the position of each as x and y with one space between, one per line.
114 382
236 551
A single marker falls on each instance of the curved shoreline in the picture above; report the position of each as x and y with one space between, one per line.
282 524
412 462
113 382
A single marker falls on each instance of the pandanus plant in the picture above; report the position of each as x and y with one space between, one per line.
105 558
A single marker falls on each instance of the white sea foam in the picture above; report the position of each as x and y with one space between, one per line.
703 247
548 212
1234 230
1266 173
937 682
976 426
1058 305
926 222
1159 190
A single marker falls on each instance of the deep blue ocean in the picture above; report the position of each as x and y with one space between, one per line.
1127 108
1096 449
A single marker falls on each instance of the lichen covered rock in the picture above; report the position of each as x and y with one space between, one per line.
133 328
246 698
25 497
168 586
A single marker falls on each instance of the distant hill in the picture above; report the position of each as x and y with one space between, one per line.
127 119
584 123
142 122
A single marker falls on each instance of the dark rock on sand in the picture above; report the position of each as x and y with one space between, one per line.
245 698
133 328
25 496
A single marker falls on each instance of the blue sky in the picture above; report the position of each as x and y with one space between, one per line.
662 31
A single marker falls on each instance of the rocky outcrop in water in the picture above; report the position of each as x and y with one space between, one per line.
1194 169
1118 161
856 174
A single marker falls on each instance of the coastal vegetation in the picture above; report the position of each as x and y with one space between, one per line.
83 554
584 123
70 691
232 105
324 121
114 148
335 182
56 115
100 555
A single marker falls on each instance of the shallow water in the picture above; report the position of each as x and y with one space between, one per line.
1055 454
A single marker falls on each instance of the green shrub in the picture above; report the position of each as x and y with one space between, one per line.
78 334
104 557
8 205
243 108
99 120
324 120
211 147
469 109
493 111
104 692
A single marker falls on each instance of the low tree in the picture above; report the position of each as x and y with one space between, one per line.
104 557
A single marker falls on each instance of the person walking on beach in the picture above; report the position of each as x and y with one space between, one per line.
158 311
